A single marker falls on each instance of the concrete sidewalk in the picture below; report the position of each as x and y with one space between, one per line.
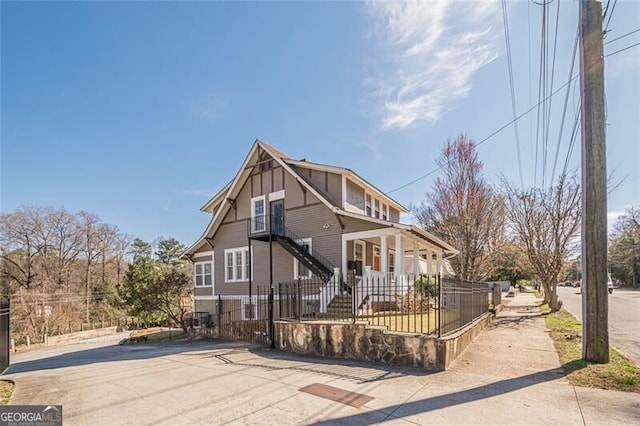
509 375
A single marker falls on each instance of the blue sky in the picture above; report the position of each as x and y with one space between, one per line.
139 111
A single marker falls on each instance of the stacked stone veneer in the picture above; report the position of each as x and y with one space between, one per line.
367 343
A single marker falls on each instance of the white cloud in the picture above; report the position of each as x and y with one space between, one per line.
431 50
198 192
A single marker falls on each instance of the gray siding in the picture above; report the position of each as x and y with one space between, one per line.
305 215
394 215
328 184
203 291
204 306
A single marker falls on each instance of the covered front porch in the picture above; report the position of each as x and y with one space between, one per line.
393 251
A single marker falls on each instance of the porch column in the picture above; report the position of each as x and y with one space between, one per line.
344 258
439 262
399 266
416 260
431 264
383 255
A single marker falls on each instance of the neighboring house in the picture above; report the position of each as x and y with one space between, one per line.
321 220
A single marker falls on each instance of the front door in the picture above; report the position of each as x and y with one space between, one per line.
276 209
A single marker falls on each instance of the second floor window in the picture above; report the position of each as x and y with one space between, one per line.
367 205
258 214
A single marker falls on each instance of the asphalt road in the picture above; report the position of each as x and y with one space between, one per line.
624 317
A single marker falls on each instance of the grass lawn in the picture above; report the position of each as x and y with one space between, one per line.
6 389
619 374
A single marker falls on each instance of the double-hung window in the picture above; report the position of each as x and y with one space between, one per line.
385 215
258 214
236 264
203 274
367 205
376 209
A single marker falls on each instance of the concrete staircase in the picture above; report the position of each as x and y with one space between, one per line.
340 307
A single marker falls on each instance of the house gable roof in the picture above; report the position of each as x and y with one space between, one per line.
222 197
351 175
220 203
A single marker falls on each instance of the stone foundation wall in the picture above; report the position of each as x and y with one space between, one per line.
368 343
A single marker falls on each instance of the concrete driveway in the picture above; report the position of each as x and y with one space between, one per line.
509 375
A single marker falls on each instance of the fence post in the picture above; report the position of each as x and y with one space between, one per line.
28 342
439 281
299 302
271 325
13 345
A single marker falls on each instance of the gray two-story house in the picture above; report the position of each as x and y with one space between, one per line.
281 219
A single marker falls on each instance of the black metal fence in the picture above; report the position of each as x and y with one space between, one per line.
5 310
410 304
244 318
461 302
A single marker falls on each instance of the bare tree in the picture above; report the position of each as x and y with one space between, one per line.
546 221
624 247
49 260
463 209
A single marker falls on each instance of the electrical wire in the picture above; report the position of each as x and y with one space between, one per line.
511 84
566 102
553 68
623 36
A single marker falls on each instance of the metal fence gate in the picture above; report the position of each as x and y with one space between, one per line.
4 334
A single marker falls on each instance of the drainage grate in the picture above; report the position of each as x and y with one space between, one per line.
342 396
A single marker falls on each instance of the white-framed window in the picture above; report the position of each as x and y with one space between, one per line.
391 262
258 214
385 212
376 209
299 270
367 204
236 264
203 274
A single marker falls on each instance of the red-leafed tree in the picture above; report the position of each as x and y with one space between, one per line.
463 209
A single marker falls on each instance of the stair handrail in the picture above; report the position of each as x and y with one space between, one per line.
286 232
283 231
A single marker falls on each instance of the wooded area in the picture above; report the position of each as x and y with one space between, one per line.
65 272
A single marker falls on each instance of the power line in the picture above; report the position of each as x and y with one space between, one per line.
621 50
566 102
606 27
553 68
623 36
509 123
541 87
513 93
488 137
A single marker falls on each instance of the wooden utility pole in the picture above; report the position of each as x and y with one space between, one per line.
595 310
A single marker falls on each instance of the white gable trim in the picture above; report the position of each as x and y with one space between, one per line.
241 178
